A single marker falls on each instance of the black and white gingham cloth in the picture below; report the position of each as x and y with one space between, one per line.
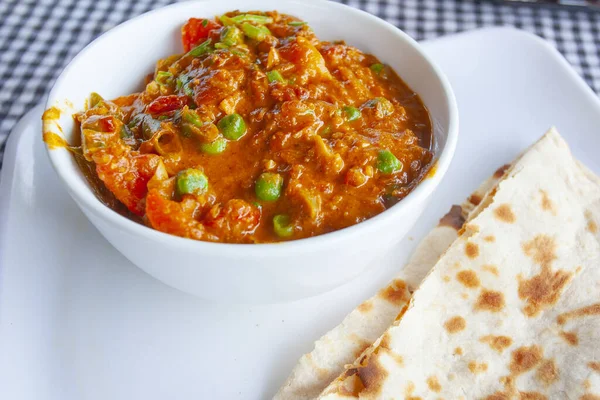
39 37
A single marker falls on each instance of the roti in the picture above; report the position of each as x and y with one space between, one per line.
512 309
344 343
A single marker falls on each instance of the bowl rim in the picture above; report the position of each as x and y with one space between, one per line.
240 250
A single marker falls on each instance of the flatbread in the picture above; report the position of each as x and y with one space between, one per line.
344 343
512 309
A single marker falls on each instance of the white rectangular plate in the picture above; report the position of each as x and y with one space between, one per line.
78 321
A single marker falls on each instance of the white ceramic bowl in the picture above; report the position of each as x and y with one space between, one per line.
115 64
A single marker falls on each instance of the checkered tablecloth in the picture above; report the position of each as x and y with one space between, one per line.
39 37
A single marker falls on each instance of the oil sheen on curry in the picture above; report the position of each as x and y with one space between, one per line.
259 132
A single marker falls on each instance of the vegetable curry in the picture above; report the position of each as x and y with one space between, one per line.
258 133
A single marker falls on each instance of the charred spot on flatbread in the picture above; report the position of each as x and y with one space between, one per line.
365 306
505 214
453 218
589 396
498 396
468 278
532 396
592 226
499 173
471 250
372 376
434 384
497 343
547 372
542 249
455 324
570 337
490 300
546 203
525 358
594 365
590 310
396 292
545 288
542 290
475 199
492 269
477 368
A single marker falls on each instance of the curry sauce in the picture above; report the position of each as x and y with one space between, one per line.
259 133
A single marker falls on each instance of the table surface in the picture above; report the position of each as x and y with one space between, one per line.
39 37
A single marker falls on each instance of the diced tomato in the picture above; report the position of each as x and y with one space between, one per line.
100 123
127 178
171 217
195 31
165 104
107 123
234 220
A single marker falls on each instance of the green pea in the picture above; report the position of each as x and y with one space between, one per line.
255 32
268 186
387 162
282 226
232 126
215 147
352 113
377 68
275 76
231 35
191 181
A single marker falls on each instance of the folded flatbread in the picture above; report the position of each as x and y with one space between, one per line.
344 343
512 309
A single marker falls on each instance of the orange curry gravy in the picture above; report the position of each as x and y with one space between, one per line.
345 136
